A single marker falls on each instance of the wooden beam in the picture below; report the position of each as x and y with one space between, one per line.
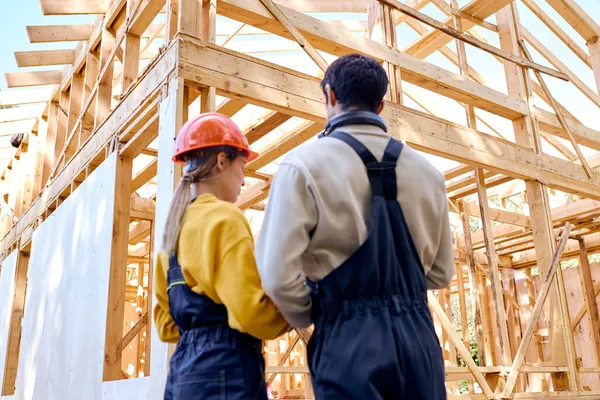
118 263
585 136
587 284
144 176
58 33
340 42
559 114
145 13
229 106
11 128
30 96
108 49
266 125
254 81
472 41
19 113
435 39
353 6
498 215
38 58
14 327
71 7
129 336
558 64
502 338
594 47
577 18
289 25
143 138
535 314
33 78
557 30
131 60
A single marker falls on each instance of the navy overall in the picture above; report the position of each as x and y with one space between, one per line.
212 361
374 336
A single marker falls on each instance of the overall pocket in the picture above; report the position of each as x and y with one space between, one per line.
210 386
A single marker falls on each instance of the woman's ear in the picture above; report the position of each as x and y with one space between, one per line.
222 161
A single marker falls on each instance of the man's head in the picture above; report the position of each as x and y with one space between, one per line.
354 82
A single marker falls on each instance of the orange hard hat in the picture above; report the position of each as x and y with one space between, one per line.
210 130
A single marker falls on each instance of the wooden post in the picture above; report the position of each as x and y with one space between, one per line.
590 298
473 286
190 17
463 64
14 327
172 20
209 32
527 134
75 105
131 61
493 268
594 48
92 65
104 92
118 268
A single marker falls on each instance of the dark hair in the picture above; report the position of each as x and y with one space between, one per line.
358 81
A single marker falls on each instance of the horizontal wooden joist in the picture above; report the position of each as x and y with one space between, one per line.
32 96
354 6
73 7
58 33
339 41
20 113
11 128
33 78
37 58
293 93
577 18
548 122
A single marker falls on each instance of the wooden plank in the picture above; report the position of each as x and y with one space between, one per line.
455 339
58 33
577 18
590 298
143 138
340 42
306 46
118 264
473 288
554 60
146 11
558 112
359 6
14 329
104 84
502 338
75 104
11 128
92 66
70 7
498 215
29 96
594 47
19 113
557 30
230 106
264 126
472 41
190 17
131 61
577 318
33 78
435 39
36 58
144 176
535 314
129 336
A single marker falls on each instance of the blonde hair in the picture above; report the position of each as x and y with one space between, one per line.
181 198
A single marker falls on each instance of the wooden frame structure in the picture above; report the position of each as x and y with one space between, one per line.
523 182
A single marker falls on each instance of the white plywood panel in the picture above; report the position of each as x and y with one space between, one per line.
130 389
7 286
62 346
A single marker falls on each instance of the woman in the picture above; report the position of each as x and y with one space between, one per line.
210 298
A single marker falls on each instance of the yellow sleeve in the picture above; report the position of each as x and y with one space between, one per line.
238 285
167 330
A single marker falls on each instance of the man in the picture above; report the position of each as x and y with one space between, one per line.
356 230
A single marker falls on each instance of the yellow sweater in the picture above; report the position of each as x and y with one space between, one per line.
217 259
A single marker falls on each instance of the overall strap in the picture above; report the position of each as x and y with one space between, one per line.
382 175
